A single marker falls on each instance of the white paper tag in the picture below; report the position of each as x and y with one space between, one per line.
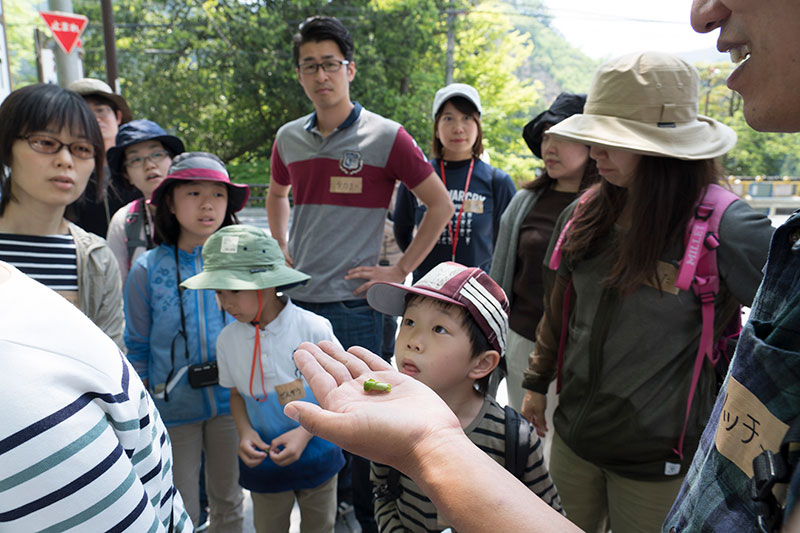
230 243
672 469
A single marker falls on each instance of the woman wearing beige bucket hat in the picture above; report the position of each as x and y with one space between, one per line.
625 431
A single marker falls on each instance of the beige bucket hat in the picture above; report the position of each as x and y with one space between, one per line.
91 86
647 103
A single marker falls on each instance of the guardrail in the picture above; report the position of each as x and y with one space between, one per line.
769 194
761 193
258 194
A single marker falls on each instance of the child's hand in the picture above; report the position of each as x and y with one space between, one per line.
250 449
287 448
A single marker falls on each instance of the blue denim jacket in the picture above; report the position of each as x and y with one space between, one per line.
715 495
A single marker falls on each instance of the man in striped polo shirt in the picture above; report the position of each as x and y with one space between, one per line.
341 163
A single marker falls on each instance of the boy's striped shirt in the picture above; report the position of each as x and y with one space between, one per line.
413 511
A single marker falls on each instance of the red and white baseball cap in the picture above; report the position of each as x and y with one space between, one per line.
467 287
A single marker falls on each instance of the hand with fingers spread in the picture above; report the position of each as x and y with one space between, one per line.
386 427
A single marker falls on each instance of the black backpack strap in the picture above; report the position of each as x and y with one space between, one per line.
770 468
517 449
390 490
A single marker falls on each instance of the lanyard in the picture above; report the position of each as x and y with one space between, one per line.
454 238
257 355
182 331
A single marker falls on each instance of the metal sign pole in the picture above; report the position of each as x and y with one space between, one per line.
5 70
68 67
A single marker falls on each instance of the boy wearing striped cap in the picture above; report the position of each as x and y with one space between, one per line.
452 337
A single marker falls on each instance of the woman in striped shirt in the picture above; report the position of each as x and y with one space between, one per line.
49 145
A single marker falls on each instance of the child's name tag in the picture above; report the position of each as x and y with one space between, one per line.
473 205
289 392
346 184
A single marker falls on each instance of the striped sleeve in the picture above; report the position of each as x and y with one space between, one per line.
537 477
82 448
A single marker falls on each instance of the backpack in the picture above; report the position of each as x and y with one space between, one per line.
698 270
770 468
516 455
134 220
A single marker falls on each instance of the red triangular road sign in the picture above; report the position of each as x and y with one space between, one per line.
66 27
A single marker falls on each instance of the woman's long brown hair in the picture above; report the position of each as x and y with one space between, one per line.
662 198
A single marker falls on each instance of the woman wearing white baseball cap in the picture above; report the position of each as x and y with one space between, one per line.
480 192
621 332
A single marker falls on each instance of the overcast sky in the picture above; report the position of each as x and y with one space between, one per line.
608 28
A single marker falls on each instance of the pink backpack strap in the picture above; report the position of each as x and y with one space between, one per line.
555 257
562 341
698 269
555 262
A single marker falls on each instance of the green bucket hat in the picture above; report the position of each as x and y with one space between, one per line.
244 258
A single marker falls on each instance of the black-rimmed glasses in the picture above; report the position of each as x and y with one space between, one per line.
44 144
329 66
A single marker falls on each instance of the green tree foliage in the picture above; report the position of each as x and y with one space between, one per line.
557 64
756 153
221 74
489 54
21 18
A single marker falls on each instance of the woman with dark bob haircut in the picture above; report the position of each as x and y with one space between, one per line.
49 145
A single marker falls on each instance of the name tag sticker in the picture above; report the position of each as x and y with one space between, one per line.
473 206
346 184
746 427
667 274
229 244
289 392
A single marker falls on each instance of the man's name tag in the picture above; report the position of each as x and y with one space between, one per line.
473 205
746 427
289 392
346 184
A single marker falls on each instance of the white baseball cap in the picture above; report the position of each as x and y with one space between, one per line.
456 89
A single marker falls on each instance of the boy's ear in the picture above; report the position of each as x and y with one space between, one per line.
484 364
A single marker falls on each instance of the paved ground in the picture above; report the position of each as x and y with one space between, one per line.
345 523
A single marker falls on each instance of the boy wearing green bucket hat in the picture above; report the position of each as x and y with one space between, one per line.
279 461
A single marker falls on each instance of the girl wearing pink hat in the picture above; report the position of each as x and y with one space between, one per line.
171 333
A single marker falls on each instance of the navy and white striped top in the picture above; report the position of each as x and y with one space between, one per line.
82 447
49 259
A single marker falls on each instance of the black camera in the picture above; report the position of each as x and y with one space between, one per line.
203 375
